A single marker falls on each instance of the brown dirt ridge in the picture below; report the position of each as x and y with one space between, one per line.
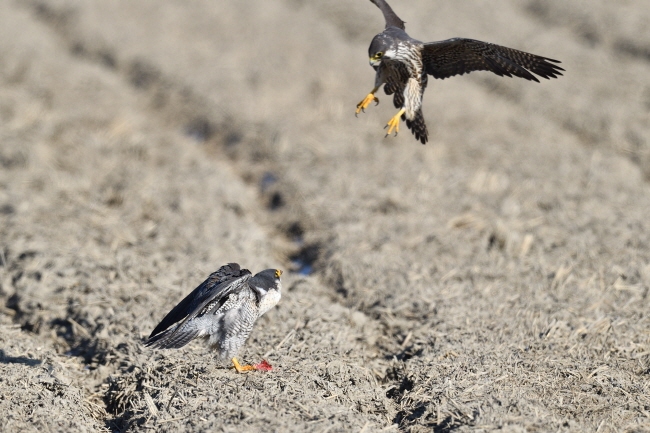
495 279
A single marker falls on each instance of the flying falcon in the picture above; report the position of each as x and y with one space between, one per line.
222 309
403 63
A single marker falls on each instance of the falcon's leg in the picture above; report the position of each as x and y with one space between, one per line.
393 123
370 97
241 368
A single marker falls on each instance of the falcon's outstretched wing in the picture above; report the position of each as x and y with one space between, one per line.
392 20
460 56
214 290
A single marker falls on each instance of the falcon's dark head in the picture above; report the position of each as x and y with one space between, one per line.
382 47
266 280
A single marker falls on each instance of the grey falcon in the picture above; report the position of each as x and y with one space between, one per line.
403 65
223 309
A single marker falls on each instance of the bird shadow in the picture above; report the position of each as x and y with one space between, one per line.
5 359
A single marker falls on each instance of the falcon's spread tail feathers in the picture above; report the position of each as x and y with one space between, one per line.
418 127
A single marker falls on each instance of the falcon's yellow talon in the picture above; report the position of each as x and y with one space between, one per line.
241 368
370 97
393 123
361 106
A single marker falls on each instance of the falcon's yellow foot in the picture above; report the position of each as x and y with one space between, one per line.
393 123
370 97
241 368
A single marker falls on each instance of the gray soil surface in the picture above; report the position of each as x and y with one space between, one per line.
495 279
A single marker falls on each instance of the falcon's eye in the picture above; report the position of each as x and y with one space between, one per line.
379 55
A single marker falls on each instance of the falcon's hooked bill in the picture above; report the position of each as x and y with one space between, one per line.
402 65
223 310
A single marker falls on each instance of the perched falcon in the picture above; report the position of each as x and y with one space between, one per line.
403 63
223 308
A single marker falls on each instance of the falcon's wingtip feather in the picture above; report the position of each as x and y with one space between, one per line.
392 20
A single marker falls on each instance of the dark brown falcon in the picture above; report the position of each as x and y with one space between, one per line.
402 65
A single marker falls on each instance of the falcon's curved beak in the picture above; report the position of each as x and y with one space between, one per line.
375 60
